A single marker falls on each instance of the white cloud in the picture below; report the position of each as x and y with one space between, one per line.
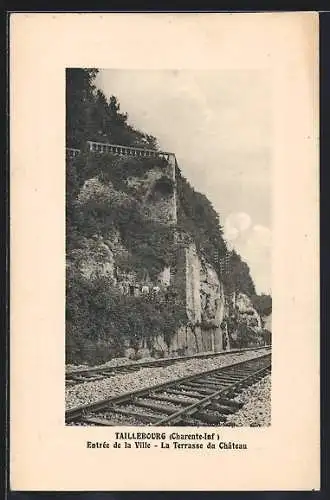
253 243
231 233
262 235
239 221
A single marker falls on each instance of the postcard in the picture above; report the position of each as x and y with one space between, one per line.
164 252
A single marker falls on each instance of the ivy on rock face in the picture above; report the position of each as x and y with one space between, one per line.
118 170
100 315
197 217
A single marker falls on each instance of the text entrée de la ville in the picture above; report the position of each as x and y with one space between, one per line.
167 441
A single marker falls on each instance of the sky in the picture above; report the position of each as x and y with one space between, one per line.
218 124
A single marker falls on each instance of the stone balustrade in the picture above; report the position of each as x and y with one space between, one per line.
116 149
99 147
72 152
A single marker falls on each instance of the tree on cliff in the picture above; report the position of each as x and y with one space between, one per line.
91 116
197 217
80 91
262 304
239 276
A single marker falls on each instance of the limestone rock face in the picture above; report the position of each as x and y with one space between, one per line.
164 277
94 258
96 192
192 275
212 296
156 206
193 297
247 313
205 307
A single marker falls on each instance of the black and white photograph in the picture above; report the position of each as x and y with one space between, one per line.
168 247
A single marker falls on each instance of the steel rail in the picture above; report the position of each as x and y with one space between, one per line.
190 410
79 412
73 377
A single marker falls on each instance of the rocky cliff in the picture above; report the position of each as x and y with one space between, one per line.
147 266
136 248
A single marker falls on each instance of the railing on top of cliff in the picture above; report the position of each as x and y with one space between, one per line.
72 152
117 149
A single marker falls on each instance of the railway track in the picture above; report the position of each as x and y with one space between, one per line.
97 373
202 399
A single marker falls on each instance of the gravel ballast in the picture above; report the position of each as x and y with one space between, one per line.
118 362
112 363
92 391
256 411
